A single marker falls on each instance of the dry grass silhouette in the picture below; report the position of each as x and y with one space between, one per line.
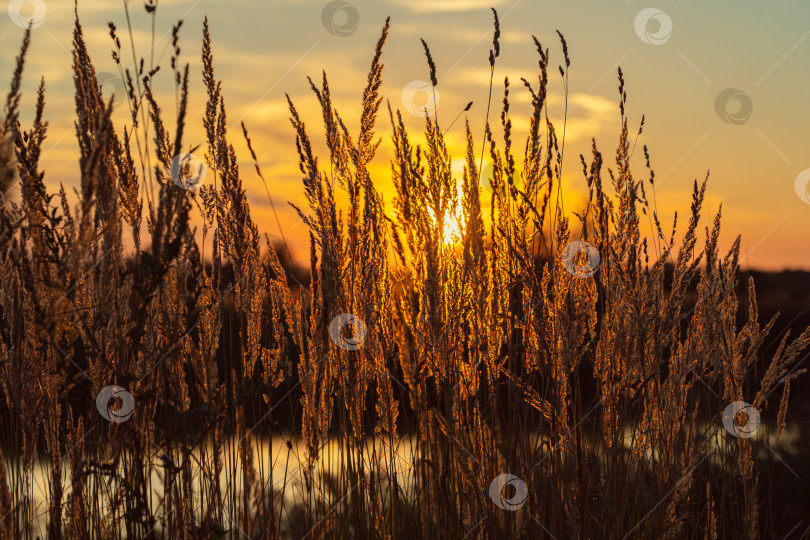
603 393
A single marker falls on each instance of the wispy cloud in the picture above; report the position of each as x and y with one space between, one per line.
438 6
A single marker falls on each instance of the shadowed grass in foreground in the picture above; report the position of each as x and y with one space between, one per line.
388 396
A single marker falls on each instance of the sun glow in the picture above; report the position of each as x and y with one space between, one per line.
452 228
451 233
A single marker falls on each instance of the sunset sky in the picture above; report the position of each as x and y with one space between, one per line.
679 59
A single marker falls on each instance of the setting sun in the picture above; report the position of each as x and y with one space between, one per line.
452 225
452 229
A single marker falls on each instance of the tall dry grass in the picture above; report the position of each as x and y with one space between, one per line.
602 393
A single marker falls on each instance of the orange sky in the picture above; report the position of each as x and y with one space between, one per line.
678 61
